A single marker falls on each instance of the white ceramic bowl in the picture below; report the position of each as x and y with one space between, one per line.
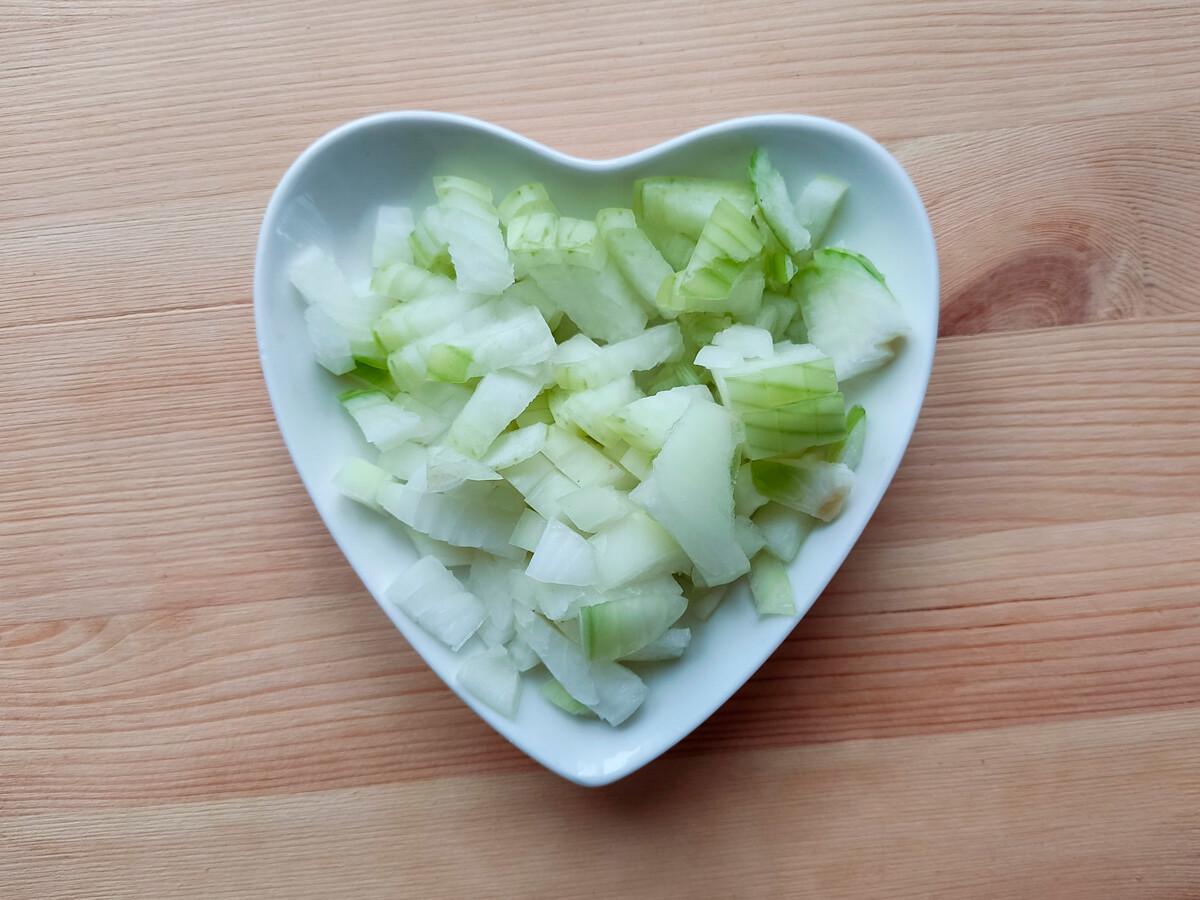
329 195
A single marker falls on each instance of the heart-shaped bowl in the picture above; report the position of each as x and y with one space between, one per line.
329 196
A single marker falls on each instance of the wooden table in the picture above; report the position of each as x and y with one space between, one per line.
999 696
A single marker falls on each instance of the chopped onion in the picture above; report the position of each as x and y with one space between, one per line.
585 415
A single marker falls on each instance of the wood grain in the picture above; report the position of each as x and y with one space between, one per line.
996 697
1002 813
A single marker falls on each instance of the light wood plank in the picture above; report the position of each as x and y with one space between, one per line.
111 196
1107 808
1055 225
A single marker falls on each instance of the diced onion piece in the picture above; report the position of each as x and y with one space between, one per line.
580 460
771 587
590 411
553 691
749 537
331 346
633 253
745 498
690 491
654 346
776 205
448 555
492 678
526 200
488 580
630 620
811 486
360 480
684 205
393 225
849 451
703 601
383 423
669 645
563 556
522 654
607 688
446 469
645 422
528 531
512 447
433 598
476 514
818 204
595 506
541 484
783 529
497 400
632 547
849 311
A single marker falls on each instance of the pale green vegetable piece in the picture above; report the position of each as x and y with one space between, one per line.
690 491
579 459
633 253
512 447
849 311
783 529
498 399
360 480
448 555
669 645
393 225
811 486
633 547
662 343
562 556
433 598
553 691
818 204
645 422
446 469
631 617
526 200
595 505
528 530
480 514
771 587
703 601
541 484
492 677
777 206
607 688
